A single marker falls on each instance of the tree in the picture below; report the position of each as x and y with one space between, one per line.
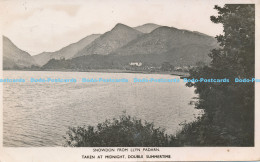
166 66
229 107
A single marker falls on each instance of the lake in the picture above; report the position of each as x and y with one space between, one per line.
39 114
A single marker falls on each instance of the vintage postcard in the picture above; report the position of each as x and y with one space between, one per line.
128 80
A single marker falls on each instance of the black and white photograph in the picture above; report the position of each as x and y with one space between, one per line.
126 80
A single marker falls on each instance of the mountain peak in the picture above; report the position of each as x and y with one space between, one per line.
5 38
149 24
122 29
119 36
165 29
120 26
14 56
147 28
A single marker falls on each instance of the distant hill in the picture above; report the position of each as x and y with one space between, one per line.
164 39
13 57
119 36
147 28
66 52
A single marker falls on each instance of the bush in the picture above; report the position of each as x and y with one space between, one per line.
123 132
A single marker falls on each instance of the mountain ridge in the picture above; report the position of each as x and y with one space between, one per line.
14 57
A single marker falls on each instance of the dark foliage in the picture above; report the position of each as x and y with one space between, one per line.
123 132
228 107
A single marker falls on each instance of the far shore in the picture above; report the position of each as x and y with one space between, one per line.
177 73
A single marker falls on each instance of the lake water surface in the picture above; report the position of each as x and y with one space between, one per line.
39 114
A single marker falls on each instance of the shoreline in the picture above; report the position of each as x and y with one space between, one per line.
176 73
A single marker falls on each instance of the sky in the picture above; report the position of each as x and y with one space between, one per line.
45 26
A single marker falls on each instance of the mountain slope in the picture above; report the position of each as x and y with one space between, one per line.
66 52
119 36
13 57
147 28
164 39
188 54
43 58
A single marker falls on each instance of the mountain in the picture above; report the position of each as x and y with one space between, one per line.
119 36
66 52
165 44
147 28
43 58
13 57
188 54
164 39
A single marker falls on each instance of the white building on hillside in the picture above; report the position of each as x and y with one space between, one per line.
135 64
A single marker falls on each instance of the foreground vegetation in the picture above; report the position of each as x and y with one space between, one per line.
123 132
228 107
